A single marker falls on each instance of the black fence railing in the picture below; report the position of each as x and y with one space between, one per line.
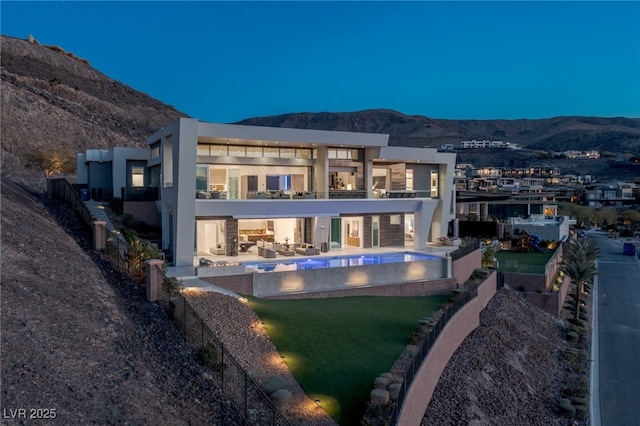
424 348
462 251
61 189
146 193
249 400
113 244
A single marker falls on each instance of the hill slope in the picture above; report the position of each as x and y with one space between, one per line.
558 133
51 101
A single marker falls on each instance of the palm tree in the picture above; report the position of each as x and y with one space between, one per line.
580 266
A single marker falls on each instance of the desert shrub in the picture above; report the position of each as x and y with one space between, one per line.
208 356
567 408
579 401
581 410
571 354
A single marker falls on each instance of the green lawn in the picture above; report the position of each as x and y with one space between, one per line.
337 347
527 263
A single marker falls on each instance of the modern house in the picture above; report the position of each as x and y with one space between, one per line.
222 188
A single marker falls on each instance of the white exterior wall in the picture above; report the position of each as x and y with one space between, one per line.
179 205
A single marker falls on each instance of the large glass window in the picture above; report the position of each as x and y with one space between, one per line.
254 151
271 152
304 153
218 150
201 178
137 176
236 151
203 149
155 150
287 153
343 154
408 177
434 184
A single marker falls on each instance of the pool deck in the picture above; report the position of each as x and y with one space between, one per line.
188 274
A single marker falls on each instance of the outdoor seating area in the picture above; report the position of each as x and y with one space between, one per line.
271 250
307 250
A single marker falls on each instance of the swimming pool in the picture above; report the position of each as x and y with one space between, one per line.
307 263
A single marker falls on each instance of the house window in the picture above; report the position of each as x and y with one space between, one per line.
201 177
254 151
137 176
271 152
408 177
343 154
237 151
287 153
203 149
218 150
434 184
395 219
155 150
304 153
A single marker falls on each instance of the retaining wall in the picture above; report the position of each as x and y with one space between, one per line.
457 329
462 268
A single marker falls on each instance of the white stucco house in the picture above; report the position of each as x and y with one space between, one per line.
223 187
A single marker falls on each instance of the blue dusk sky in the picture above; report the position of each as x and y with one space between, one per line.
227 61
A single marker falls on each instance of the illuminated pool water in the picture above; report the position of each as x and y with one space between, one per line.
307 263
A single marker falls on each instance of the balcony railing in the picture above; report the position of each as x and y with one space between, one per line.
320 195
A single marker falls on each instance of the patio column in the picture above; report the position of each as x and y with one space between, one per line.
99 234
154 279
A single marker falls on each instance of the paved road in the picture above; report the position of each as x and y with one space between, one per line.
616 372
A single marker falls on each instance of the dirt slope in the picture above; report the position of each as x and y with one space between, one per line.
78 336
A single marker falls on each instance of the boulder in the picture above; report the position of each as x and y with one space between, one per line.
280 398
387 376
394 390
379 397
274 383
380 383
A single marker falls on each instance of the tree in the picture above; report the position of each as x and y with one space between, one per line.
608 216
52 162
580 266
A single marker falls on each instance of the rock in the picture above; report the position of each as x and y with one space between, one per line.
274 383
280 398
387 376
379 397
380 383
394 390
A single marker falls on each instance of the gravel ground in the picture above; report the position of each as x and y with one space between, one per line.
242 333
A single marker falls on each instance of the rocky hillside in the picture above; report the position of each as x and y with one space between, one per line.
52 101
558 133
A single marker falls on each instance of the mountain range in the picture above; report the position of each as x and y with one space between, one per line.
53 100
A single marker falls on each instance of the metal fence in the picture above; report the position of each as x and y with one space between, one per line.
426 346
61 189
253 406
462 251
113 243
250 405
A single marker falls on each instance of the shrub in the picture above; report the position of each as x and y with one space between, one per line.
567 408
209 357
581 410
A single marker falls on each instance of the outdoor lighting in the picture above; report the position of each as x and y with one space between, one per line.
283 357
318 401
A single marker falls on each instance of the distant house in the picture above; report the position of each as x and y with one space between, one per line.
610 194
